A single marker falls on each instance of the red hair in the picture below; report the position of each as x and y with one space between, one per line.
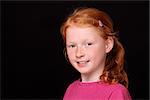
114 65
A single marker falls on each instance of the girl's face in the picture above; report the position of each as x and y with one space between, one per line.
86 49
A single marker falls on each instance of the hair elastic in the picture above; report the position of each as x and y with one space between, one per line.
100 23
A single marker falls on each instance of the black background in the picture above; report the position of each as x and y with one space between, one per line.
33 64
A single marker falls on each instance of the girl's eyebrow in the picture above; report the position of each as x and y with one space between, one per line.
71 43
89 40
84 41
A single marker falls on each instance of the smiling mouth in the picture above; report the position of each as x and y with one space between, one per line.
82 62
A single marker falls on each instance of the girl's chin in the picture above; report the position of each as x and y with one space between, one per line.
84 72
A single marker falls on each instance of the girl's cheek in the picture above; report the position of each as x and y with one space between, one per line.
70 53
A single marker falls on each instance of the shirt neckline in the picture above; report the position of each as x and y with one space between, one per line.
89 83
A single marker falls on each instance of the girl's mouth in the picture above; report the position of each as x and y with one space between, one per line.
82 63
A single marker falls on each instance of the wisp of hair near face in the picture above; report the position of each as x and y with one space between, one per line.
92 17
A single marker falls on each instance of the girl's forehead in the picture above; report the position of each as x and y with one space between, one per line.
75 33
76 30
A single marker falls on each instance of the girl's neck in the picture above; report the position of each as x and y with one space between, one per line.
94 77
89 79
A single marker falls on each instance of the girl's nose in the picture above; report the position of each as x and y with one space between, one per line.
80 52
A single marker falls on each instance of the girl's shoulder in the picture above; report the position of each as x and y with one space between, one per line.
115 87
74 83
119 91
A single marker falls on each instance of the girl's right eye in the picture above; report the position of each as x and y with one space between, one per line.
71 46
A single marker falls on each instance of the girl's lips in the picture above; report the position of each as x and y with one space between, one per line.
82 63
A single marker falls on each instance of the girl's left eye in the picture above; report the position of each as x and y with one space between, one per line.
88 44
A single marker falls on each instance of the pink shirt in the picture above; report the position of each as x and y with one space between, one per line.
96 91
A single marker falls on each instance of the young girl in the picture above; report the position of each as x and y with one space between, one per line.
94 50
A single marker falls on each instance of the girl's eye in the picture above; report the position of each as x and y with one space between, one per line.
71 46
88 44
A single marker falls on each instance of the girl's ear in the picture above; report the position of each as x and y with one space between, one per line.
109 44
